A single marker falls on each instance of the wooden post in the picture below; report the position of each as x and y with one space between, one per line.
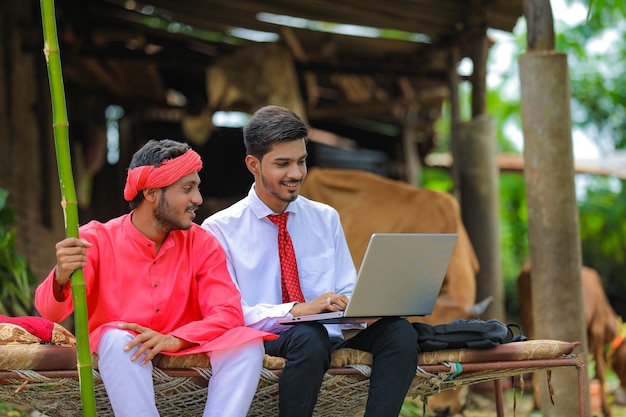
479 183
554 239
479 175
412 166
455 119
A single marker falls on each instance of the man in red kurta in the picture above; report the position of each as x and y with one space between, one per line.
158 283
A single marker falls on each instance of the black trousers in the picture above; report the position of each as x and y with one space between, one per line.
307 349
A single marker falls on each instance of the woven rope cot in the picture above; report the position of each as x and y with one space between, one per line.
181 387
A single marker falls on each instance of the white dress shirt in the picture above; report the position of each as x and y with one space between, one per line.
250 240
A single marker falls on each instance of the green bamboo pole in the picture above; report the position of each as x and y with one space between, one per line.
60 126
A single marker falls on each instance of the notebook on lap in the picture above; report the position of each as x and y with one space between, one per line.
401 275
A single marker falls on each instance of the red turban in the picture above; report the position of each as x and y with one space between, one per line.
170 171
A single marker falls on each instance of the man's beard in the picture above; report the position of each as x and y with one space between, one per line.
165 215
289 199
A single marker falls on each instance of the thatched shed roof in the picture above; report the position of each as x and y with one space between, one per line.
142 54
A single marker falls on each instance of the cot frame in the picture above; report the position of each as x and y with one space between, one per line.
472 373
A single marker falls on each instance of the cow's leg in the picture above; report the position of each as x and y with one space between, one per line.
536 391
600 363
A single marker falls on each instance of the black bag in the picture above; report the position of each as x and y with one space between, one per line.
475 334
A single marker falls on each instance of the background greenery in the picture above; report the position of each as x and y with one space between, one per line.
596 51
16 278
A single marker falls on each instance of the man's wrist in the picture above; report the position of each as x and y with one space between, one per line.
292 307
59 290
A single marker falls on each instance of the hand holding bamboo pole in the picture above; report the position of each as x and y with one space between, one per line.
60 126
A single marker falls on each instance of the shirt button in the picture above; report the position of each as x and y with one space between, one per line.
155 285
157 310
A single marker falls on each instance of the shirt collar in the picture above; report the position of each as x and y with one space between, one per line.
261 210
140 238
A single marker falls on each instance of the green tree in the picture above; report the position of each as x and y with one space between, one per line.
596 50
603 233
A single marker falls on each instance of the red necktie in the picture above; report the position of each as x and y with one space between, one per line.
290 283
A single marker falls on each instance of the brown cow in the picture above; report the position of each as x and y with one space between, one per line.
369 203
600 321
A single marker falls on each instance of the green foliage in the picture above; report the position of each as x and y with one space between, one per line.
436 179
411 409
603 231
596 53
596 72
513 234
7 410
16 278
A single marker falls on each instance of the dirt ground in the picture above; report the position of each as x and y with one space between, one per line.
482 404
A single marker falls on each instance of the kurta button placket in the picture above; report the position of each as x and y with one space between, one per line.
155 287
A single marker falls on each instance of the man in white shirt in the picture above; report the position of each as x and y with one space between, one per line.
275 141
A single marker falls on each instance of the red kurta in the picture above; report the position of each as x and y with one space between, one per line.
185 290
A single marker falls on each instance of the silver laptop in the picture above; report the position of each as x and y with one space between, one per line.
401 275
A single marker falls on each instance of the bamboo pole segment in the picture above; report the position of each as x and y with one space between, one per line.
60 126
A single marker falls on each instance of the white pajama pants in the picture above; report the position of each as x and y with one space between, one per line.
130 388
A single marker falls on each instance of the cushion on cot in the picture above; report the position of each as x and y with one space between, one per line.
35 343
338 359
37 357
531 349
37 326
514 351
13 333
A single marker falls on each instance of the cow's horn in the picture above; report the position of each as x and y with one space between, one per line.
479 308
